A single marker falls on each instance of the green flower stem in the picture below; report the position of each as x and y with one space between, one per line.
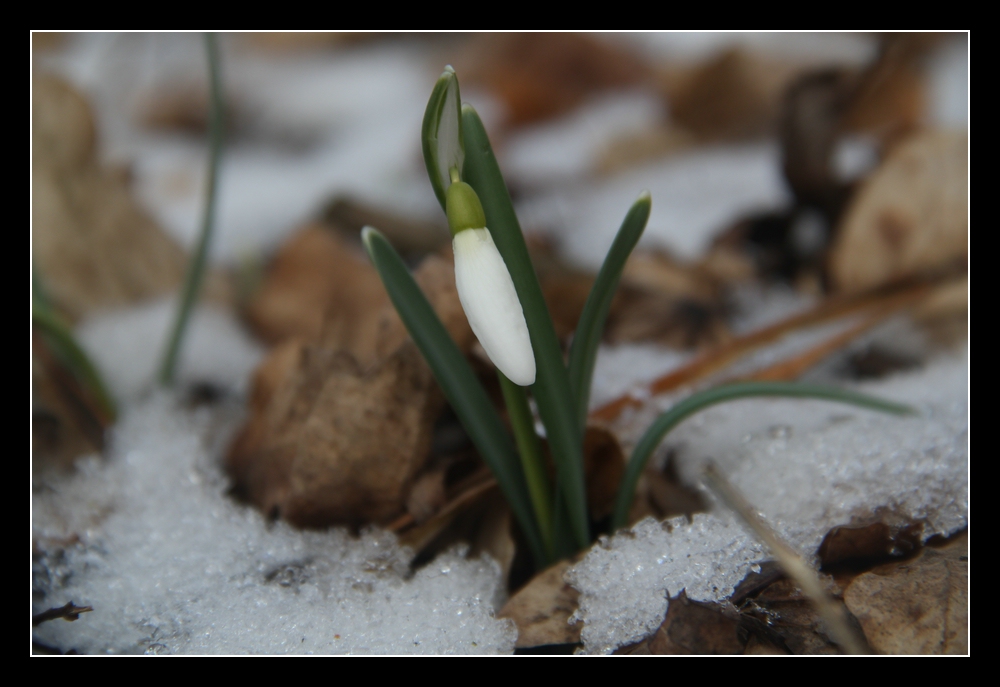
587 338
530 449
467 397
561 534
552 388
196 267
720 394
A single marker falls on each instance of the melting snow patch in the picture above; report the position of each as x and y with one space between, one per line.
171 564
809 466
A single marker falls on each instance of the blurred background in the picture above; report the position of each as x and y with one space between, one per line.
784 168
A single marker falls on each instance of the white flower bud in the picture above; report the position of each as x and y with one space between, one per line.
491 304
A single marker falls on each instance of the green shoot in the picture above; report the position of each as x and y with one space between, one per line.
196 267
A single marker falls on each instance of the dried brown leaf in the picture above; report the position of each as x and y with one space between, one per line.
340 444
494 536
315 275
94 246
910 217
783 618
693 627
542 608
543 75
341 426
667 301
736 94
411 237
918 606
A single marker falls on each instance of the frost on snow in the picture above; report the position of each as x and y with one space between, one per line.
808 466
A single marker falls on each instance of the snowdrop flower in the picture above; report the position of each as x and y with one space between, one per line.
486 289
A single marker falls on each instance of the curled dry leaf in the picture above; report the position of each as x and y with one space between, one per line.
542 608
94 246
910 218
919 606
340 427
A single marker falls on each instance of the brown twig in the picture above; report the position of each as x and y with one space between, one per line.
67 612
465 495
882 302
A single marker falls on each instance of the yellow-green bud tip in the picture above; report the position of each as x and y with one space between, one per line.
463 208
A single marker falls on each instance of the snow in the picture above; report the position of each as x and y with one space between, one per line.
807 466
171 564
127 345
694 194
557 151
148 534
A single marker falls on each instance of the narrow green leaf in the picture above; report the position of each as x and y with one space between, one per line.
587 338
441 133
530 450
720 394
63 345
551 389
466 395
199 258
562 537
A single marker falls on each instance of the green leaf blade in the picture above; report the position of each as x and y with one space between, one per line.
466 395
60 340
552 388
587 338
720 394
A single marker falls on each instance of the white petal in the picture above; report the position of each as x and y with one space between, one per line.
490 302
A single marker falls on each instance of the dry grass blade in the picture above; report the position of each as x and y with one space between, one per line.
834 615
881 303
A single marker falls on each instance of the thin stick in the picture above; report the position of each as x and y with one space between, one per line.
787 370
834 615
68 612
884 300
196 267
